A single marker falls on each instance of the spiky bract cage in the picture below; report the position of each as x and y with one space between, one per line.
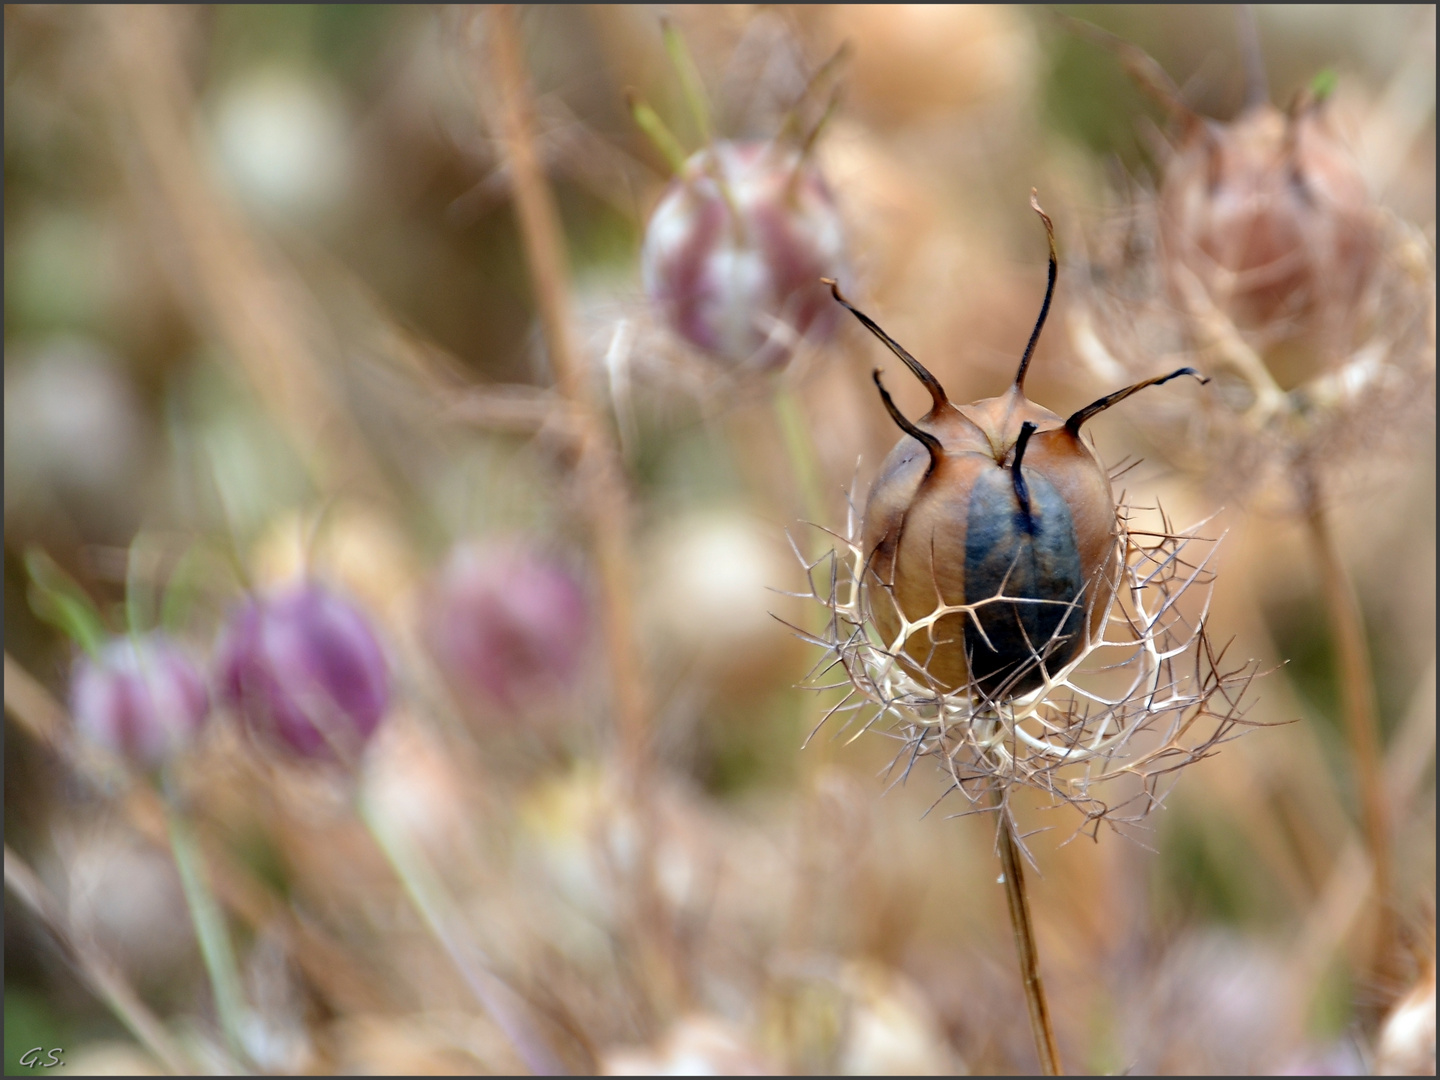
1146 695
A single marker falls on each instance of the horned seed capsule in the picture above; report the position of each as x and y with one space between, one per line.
998 506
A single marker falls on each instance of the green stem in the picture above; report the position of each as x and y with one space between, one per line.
800 449
437 908
215 947
648 121
690 85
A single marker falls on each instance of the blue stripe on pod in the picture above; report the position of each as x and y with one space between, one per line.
1029 557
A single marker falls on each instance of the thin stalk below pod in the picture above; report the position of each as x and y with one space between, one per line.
215 947
800 448
1018 900
444 921
1362 725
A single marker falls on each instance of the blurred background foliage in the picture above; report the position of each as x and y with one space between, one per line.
344 145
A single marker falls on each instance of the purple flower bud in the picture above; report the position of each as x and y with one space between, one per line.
506 622
735 270
142 698
304 669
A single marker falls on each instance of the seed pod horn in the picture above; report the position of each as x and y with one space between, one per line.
932 384
1079 417
1054 272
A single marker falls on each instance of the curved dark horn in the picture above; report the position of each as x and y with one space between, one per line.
937 392
1022 489
1049 290
930 442
1073 424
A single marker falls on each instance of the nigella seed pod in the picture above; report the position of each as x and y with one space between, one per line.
141 698
990 534
507 623
734 252
305 671
1270 215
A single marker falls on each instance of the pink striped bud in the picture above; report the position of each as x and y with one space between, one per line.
141 698
305 671
506 622
734 253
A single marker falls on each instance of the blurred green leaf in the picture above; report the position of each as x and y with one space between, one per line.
1324 83
59 600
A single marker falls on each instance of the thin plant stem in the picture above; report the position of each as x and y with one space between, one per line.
1360 713
96 968
607 502
1018 900
600 475
434 904
690 84
800 448
215 947
648 121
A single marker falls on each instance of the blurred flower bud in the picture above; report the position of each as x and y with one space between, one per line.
75 436
141 698
506 622
734 253
281 141
1271 216
304 669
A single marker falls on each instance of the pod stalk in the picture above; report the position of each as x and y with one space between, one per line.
1017 899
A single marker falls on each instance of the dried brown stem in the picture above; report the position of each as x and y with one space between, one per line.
95 967
1361 716
1018 900
600 473
606 498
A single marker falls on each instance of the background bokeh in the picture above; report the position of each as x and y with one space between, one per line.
266 300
